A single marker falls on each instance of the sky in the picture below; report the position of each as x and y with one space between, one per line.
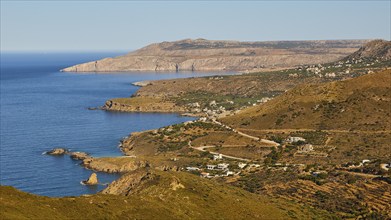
128 25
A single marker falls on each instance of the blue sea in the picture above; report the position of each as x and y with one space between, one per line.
43 108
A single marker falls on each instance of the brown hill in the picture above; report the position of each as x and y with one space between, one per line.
363 103
155 195
206 55
376 49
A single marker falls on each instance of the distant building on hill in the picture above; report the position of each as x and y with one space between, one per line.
222 166
192 168
305 148
294 139
217 157
211 167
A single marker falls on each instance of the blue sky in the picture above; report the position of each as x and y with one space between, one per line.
126 25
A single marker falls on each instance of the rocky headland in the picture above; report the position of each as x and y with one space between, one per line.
210 55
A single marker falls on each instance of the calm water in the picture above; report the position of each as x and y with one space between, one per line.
42 108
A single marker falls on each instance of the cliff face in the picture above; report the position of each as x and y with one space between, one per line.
206 55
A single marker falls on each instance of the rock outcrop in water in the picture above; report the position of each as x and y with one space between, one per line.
79 155
58 151
92 180
208 55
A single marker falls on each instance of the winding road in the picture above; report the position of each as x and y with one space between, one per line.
202 148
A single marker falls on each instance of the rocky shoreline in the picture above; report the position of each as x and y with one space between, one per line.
112 105
103 164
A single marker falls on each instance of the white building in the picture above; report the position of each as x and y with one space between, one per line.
229 173
222 166
192 168
305 148
294 139
242 165
211 167
264 100
206 175
217 156
202 119
213 103
365 161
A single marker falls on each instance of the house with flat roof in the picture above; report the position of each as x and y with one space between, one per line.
294 139
222 166
211 167
217 157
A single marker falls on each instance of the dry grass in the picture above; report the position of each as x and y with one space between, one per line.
199 198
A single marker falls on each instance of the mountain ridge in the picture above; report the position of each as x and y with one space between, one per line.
207 55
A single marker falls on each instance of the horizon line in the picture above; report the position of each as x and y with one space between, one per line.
131 50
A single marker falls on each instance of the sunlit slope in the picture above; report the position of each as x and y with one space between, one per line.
363 103
161 195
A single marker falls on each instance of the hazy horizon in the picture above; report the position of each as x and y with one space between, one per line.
93 26
131 50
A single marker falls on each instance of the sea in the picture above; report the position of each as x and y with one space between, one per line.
42 108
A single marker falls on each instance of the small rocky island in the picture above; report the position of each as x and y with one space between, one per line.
92 180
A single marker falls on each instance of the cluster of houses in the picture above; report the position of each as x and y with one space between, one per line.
221 167
196 108
213 109
264 100
319 69
220 170
304 148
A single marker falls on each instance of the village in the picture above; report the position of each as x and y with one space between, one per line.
221 165
341 69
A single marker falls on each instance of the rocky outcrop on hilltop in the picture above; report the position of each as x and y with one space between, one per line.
207 55
374 50
130 182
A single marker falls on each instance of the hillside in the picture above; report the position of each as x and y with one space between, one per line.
207 55
373 50
239 91
362 103
154 194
